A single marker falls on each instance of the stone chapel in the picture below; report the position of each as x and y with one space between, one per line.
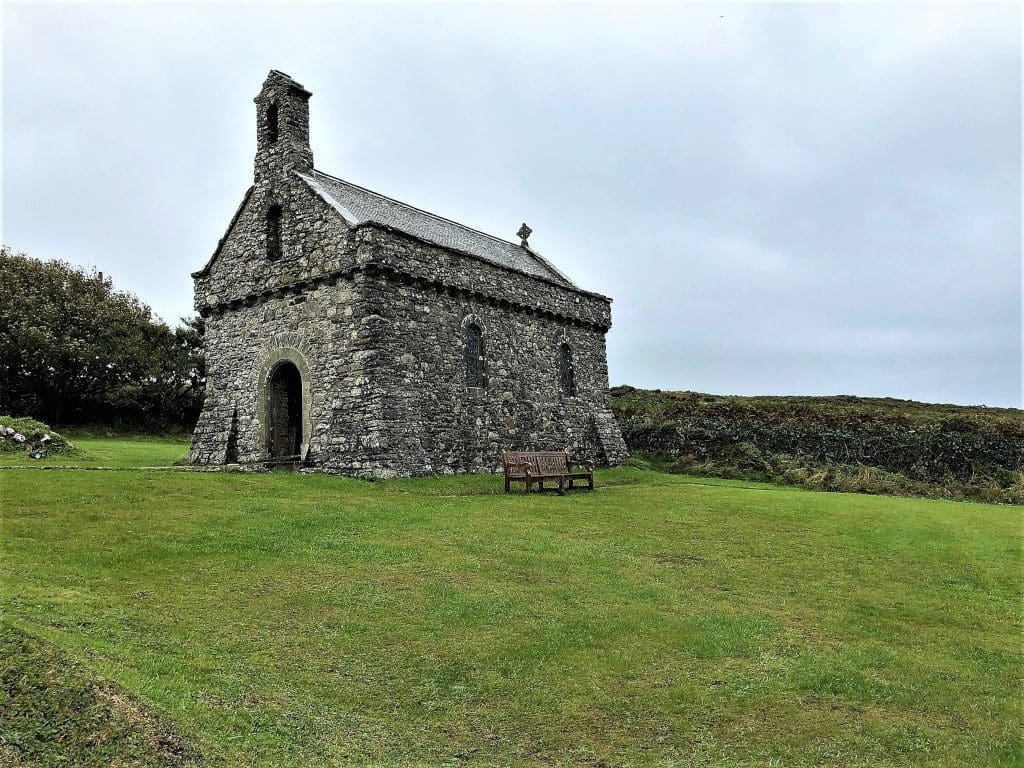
357 334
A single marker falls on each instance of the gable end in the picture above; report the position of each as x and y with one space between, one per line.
224 238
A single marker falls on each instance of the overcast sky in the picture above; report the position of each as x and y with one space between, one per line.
787 199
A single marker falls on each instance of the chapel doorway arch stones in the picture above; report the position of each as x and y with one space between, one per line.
283 350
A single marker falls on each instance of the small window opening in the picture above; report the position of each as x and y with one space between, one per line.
474 351
274 232
566 374
272 123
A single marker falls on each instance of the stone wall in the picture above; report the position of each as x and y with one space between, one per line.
435 423
311 330
388 250
382 351
255 315
314 242
378 320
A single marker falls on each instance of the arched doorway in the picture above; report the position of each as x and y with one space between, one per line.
284 412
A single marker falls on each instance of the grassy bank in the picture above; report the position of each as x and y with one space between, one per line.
114 452
291 620
864 445
20 435
55 711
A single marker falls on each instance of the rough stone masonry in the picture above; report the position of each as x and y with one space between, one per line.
363 336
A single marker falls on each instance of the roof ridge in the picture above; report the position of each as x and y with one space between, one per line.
428 213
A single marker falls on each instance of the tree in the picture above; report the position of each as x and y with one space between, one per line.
73 350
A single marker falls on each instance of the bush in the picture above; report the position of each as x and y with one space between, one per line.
866 445
75 351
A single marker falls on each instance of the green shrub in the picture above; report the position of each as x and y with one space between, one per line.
864 445
74 350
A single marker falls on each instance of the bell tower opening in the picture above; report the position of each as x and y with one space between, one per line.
272 123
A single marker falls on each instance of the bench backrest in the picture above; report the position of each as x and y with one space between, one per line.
541 462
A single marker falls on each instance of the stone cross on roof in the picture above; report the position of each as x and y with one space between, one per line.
524 235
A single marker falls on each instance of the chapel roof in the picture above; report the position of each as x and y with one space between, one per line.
358 205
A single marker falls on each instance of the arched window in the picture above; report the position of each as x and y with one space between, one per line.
474 351
274 232
566 374
272 123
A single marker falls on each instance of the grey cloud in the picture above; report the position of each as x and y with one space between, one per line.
805 199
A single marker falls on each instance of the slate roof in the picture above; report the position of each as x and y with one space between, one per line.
358 205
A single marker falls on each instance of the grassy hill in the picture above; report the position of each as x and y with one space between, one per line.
872 445
295 620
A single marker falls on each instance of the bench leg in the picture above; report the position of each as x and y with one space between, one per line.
590 482
507 484
540 486
561 486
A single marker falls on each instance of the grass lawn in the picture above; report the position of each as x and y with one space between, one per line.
296 620
107 452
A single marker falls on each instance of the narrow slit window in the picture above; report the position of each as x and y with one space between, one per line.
566 374
272 123
474 351
274 232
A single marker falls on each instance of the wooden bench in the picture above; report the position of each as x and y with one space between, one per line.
535 467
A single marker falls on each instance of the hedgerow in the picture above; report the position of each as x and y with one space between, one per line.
831 443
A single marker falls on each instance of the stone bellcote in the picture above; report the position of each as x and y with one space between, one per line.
282 128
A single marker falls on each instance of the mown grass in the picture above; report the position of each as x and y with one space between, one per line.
291 620
115 452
